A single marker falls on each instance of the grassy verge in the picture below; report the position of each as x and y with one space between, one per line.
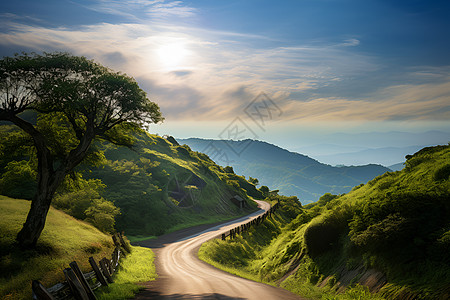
137 267
268 252
138 238
248 255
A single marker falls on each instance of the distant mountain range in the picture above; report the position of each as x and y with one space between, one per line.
292 173
384 156
384 148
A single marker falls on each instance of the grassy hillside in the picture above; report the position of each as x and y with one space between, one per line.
161 186
63 240
149 188
292 173
391 235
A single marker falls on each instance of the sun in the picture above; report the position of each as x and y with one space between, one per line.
173 55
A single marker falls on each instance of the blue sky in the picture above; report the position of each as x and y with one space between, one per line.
327 65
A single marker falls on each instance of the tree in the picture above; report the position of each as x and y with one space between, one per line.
228 169
85 99
264 190
255 181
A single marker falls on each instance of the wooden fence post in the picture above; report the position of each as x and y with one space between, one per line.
115 256
105 269
115 240
124 245
97 271
110 267
83 280
75 285
40 291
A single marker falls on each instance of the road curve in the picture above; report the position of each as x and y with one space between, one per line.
182 275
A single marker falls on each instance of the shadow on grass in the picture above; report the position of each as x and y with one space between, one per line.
13 258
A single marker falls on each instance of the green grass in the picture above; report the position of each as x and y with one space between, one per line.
140 181
252 254
63 240
138 238
136 268
266 253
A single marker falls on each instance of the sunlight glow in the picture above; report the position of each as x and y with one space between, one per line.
173 55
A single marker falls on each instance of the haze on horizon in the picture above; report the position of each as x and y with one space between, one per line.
324 66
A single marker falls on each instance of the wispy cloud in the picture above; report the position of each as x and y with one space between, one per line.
395 103
222 72
142 9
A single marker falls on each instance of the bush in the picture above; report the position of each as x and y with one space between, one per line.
324 236
443 173
102 215
18 180
404 222
87 204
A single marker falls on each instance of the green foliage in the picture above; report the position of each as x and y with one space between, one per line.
264 190
443 173
325 199
255 181
404 221
291 173
18 180
160 186
247 255
323 236
78 101
228 169
239 182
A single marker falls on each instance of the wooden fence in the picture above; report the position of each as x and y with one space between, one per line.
79 285
255 222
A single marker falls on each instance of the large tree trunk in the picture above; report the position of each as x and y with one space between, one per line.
40 205
33 226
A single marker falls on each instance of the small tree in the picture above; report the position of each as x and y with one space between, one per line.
85 99
255 181
264 190
228 169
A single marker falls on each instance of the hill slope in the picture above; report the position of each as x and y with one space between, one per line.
161 186
391 235
63 240
158 185
291 173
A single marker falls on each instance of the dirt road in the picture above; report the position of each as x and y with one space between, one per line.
181 275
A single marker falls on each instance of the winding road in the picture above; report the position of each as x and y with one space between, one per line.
182 275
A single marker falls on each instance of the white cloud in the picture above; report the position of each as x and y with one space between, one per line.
140 10
222 73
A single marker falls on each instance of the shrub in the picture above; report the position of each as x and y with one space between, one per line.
324 236
18 180
443 173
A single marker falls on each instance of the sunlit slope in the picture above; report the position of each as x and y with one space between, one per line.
392 234
63 240
161 186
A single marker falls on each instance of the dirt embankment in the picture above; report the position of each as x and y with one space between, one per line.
371 278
